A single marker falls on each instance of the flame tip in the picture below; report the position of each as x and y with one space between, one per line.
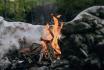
52 34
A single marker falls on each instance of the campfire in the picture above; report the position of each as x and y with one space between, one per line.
48 48
49 40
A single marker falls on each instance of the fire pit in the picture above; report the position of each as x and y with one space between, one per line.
36 47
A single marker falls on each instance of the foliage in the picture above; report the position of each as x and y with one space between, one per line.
20 10
24 10
70 8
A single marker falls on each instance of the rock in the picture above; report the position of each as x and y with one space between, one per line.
17 35
4 63
39 68
84 39
86 19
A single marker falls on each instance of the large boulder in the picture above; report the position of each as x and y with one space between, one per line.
16 35
84 39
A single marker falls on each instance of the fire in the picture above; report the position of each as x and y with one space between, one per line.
50 37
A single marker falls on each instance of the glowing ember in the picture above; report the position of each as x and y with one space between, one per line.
50 37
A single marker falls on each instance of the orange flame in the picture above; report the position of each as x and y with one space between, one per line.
50 36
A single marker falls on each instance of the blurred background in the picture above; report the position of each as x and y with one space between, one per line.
38 11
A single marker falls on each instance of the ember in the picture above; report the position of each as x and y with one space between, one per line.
49 40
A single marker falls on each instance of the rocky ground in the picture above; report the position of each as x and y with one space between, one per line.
82 46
